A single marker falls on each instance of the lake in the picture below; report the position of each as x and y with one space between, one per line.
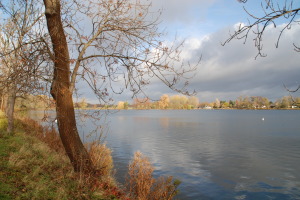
217 154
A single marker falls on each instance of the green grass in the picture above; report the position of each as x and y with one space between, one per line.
27 168
30 169
8 177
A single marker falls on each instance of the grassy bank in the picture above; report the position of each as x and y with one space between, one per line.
33 165
30 169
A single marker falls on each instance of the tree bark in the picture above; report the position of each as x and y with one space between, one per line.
60 90
3 101
10 108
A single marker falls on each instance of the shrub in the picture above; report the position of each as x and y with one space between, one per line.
101 158
143 186
39 172
140 177
165 188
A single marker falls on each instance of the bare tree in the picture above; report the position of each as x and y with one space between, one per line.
110 41
20 60
121 39
272 11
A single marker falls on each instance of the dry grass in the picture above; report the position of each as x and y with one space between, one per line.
142 185
140 177
46 171
48 174
46 134
101 158
3 124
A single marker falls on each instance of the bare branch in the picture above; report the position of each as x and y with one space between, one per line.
122 43
258 27
291 91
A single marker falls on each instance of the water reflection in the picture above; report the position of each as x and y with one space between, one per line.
217 155
164 122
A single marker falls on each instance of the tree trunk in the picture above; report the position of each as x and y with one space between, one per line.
3 101
60 90
10 108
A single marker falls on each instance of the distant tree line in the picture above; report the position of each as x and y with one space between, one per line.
192 102
32 102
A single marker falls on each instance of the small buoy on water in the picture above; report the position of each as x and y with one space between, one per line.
262 119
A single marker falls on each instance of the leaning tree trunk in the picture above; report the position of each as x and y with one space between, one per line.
60 90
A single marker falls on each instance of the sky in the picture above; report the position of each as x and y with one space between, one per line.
227 72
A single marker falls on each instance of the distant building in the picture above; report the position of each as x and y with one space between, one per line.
207 107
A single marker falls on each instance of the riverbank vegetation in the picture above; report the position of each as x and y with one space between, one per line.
33 165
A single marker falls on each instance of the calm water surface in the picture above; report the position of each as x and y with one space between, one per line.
217 154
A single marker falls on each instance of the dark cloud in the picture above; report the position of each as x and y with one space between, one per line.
227 72
233 68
